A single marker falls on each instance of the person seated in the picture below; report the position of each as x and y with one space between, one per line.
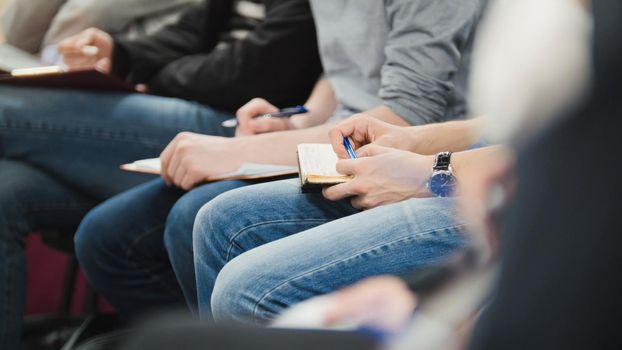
387 299
60 150
33 25
377 58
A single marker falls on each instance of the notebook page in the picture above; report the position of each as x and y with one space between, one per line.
318 160
14 58
246 169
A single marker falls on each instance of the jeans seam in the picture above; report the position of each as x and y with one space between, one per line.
233 240
128 256
331 264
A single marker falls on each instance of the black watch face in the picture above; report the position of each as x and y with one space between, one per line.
442 184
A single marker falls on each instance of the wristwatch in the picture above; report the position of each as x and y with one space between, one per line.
442 181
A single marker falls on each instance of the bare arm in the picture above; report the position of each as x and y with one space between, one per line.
191 158
425 139
386 175
321 104
280 147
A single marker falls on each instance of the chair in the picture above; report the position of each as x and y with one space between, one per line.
62 329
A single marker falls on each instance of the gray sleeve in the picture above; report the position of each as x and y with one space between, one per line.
426 47
25 22
111 16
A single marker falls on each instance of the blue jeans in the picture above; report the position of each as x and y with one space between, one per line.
59 156
263 248
136 246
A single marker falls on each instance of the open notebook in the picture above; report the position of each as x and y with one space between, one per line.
13 58
248 171
317 166
63 78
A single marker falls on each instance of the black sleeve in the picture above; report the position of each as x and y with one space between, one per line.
278 61
196 31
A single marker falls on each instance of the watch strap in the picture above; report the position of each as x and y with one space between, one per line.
443 161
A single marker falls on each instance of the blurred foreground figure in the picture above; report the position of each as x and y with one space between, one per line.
32 25
560 285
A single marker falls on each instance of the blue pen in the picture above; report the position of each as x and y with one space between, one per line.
283 113
348 146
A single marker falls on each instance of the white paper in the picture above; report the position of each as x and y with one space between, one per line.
246 169
14 58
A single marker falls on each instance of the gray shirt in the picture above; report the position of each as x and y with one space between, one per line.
409 55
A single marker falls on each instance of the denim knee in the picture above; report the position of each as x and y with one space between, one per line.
178 230
93 241
242 295
215 227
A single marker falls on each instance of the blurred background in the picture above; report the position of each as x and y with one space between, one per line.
1 12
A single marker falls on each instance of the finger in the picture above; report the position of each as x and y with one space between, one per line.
263 125
68 46
338 192
360 203
142 88
253 108
372 149
86 38
341 310
104 65
336 135
75 61
179 175
189 180
165 159
173 169
347 166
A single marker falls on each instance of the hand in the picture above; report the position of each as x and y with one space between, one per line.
249 125
192 158
382 176
363 129
76 56
382 302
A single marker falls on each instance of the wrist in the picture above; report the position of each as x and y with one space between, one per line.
419 173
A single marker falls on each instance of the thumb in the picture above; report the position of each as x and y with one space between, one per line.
104 65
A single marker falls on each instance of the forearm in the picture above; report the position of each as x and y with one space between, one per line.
463 162
454 136
280 147
321 105
387 115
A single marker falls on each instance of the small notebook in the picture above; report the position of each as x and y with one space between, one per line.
63 78
248 171
317 167
13 58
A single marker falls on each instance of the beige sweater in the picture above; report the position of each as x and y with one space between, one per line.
34 24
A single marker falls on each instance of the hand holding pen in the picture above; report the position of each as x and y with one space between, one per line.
90 48
259 116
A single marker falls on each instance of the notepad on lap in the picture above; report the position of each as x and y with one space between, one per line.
63 78
248 171
317 166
